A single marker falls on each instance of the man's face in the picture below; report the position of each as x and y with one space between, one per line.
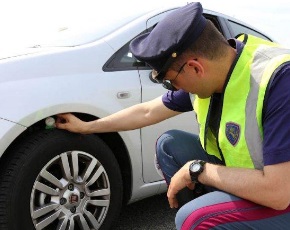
190 78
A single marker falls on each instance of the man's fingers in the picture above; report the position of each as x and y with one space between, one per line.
62 120
63 116
173 203
60 125
191 186
171 196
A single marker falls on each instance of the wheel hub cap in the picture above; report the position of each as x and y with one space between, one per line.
72 191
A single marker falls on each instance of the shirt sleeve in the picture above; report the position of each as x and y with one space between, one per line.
276 122
178 101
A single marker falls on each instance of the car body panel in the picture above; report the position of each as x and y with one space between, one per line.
9 130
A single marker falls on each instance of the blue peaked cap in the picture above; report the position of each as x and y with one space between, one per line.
170 37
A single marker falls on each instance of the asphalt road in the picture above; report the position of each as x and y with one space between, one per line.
151 213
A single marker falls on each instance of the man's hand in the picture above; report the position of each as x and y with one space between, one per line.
71 123
180 180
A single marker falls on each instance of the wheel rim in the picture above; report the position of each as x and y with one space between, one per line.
72 191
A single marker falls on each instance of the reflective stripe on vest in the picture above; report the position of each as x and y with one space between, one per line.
240 133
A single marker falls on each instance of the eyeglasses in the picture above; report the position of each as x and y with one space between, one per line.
167 84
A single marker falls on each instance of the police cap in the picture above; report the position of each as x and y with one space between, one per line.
169 38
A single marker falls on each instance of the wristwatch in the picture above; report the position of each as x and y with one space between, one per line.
195 169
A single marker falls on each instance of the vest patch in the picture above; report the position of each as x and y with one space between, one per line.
233 132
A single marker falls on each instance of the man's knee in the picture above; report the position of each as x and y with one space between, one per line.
164 141
166 137
173 139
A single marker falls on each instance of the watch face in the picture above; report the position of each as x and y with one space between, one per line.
195 167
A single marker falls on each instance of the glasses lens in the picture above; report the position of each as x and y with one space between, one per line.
167 85
158 77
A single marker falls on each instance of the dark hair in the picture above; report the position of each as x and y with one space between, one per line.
211 44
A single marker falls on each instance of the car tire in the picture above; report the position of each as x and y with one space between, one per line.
59 180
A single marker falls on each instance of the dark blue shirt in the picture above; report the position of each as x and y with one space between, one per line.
276 118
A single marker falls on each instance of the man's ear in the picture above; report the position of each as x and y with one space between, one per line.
196 66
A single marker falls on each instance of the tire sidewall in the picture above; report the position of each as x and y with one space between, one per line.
39 150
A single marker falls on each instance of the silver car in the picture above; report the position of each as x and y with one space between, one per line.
53 179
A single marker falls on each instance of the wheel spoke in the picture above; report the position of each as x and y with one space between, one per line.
62 225
90 169
71 224
75 165
51 178
44 210
104 203
47 220
92 219
96 176
82 222
66 167
46 189
101 192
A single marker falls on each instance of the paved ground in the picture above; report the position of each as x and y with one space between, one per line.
148 214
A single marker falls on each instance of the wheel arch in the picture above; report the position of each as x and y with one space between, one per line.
113 141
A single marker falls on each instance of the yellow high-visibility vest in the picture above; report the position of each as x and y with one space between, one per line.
240 133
